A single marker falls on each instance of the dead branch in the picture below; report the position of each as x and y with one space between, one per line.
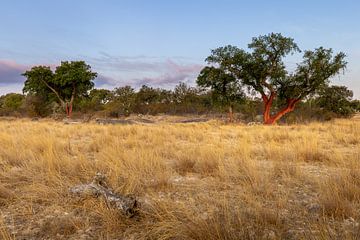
126 204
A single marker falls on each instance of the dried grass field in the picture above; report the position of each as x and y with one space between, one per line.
193 180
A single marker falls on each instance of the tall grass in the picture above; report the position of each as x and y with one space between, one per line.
194 181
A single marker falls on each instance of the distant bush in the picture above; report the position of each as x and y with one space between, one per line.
11 104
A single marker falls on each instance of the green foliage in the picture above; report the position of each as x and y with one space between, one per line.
147 95
96 100
37 80
73 77
151 100
38 105
355 104
262 70
10 103
71 80
337 99
259 69
225 89
123 101
312 74
100 96
184 93
187 99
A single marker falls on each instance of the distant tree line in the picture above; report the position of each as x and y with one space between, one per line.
246 85
334 101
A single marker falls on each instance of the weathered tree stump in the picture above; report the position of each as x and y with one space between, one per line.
128 205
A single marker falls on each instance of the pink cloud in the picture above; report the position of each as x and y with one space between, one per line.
112 72
141 64
137 71
10 72
173 74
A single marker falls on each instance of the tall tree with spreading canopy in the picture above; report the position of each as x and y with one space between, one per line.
70 80
225 89
263 70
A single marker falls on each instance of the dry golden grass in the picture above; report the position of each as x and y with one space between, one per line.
195 180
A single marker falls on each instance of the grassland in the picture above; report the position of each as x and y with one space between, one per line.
194 181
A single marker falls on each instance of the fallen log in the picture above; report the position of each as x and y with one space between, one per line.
128 205
113 121
193 120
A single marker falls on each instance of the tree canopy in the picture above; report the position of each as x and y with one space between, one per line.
225 89
11 102
70 80
337 99
262 69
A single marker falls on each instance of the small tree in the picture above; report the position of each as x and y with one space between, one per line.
96 100
355 104
123 101
337 99
11 102
186 98
38 105
147 95
225 89
263 71
70 80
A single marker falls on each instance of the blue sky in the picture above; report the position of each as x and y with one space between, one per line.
161 43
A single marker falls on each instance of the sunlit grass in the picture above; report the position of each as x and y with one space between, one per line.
195 181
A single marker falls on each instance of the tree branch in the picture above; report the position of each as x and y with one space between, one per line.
73 95
128 205
54 91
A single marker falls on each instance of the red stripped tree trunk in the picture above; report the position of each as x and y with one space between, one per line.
267 108
289 108
69 105
68 109
231 114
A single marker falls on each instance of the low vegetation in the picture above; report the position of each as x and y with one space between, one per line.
193 181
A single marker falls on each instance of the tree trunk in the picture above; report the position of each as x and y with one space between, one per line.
231 114
267 106
289 108
67 109
70 110
55 92
71 102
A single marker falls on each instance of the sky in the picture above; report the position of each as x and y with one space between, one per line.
161 42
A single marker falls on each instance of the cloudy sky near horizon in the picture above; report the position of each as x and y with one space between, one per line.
160 42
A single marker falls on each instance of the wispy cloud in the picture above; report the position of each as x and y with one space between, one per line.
103 80
140 70
173 73
119 71
10 72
